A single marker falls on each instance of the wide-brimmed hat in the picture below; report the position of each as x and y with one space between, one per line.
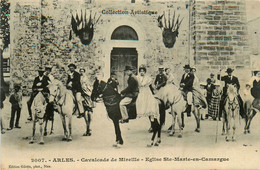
40 69
187 66
128 68
160 67
17 86
142 68
72 65
229 70
193 67
48 67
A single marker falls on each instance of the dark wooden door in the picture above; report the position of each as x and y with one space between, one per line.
121 57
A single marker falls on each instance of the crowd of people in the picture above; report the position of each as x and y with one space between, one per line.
142 88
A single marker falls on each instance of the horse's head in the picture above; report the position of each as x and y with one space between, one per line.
54 89
39 105
231 92
104 89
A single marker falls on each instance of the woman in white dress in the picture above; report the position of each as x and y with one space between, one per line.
146 104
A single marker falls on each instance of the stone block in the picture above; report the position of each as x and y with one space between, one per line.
236 38
229 48
227 38
212 43
222 23
226 27
211 12
209 17
241 33
220 48
214 22
222 58
213 32
219 38
213 53
223 43
219 13
216 7
210 48
210 38
232 7
236 28
217 17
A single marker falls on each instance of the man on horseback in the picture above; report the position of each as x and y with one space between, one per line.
39 85
186 85
73 84
129 93
161 79
230 79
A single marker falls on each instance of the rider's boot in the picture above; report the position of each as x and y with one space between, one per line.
188 110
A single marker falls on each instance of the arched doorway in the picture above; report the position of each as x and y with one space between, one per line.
123 56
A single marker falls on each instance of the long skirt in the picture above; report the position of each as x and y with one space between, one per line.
214 106
146 104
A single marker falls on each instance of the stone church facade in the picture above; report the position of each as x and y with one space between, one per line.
212 36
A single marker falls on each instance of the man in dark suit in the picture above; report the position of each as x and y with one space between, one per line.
129 93
161 79
230 79
186 85
73 84
39 85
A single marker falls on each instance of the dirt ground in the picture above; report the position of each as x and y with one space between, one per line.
16 150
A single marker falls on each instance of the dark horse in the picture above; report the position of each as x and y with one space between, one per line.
111 100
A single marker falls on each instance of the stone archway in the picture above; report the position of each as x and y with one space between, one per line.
129 45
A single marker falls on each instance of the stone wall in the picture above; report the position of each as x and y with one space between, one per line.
25 42
41 37
219 35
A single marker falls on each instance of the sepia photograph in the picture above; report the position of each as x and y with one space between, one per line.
130 84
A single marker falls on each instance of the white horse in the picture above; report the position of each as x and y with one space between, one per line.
66 106
250 112
38 111
231 112
173 97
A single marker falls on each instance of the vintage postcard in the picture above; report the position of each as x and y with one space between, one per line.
130 84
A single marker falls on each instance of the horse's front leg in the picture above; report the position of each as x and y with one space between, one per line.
33 132
52 130
63 121
178 114
119 139
45 128
234 127
251 116
224 124
228 126
70 128
197 118
41 131
172 131
246 121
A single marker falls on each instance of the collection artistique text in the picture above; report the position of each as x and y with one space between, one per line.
127 12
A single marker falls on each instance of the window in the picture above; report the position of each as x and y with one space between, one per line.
124 33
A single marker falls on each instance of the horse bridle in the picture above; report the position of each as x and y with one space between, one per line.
231 104
55 96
